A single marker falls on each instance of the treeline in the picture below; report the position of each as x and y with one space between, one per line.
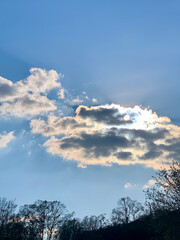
157 219
162 225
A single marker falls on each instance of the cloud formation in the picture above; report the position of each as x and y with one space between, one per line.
29 96
5 138
104 135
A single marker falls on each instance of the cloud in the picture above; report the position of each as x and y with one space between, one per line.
28 105
123 155
5 139
77 101
86 97
94 100
57 126
109 116
61 93
29 96
127 185
150 183
104 135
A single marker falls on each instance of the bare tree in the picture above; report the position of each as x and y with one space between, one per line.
70 230
7 213
166 193
7 210
94 222
126 211
46 217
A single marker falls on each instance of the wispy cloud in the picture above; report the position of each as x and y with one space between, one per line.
104 135
77 101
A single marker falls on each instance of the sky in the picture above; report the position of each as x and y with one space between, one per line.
89 99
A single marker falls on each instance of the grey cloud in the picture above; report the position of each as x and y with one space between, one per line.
105 144
57 126
123 155
6 90
174 156
96 144
109 116
29 102
70 122
148 135
151 155
28 105
173 148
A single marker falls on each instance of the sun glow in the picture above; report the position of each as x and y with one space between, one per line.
126 118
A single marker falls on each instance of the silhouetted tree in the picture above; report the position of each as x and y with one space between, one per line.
7 213
45 218
166 193
126 211
94 222
70 230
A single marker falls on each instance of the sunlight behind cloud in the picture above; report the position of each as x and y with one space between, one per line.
103 135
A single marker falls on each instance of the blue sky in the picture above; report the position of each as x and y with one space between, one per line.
124 53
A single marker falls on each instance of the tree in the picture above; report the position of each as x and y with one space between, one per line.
126 211
94 222
70 230
17 231
166 193
7 213
7 210
45 218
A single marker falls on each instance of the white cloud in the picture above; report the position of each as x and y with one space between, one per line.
5 139
77 101
94 100
28 97
86 97
150 183
42 81
28 105
102 135
61 93
127 185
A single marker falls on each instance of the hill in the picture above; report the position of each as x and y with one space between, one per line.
163 225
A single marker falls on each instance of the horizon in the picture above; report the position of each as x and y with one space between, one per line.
89 100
